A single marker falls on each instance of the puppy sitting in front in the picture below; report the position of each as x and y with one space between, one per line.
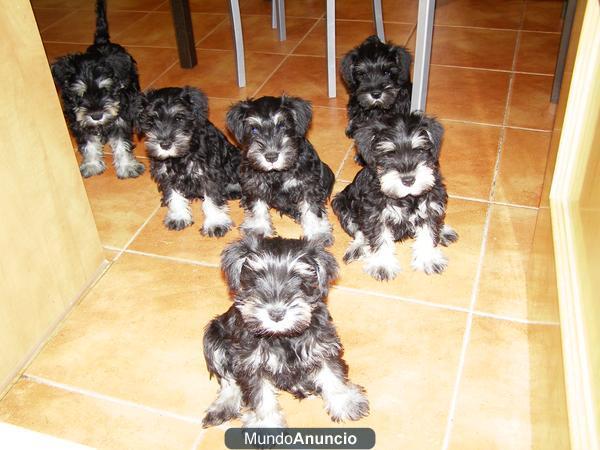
189 158
399 194
99 89
280 168
377 76
277 335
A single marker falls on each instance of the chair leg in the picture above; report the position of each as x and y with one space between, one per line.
184 32
274 14
378 18
238 41
331 63
281 19
565 37
422 54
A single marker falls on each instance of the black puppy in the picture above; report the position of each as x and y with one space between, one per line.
377 76
400 194
277 335
98 89
280 168
189 158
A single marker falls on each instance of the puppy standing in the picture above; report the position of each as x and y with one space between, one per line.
277 335
280 169
189 158
98 89
377 76
398 195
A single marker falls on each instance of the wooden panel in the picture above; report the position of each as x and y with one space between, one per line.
48 238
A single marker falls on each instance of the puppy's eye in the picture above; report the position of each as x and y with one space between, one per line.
280 126
254 130
180 118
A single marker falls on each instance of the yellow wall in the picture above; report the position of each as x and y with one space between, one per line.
49 245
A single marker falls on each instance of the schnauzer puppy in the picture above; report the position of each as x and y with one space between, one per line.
280 168
377 76
189 158
398 195
98 90
277 335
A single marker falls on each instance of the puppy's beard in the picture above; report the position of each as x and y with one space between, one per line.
178 148
296 319
392 185
286 156
110 114
385 101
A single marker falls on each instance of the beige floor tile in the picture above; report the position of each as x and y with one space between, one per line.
453 287
530 105
467 94
537 52
47 17
152 62
504 286
522 167
393 10
511 394
138 335
100 424
543 15
480 13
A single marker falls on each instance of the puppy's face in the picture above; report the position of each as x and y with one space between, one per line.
270 130
404 154
376 72
92 89
168 119
278 282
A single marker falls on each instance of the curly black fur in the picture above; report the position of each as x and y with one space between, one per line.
280 167
377 76
99 88
275 281
190 158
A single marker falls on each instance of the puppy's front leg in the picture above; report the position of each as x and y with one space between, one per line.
125 163
93 163
261 398
216 217
257 219
381 262
427 256
179 214
343 400
315 224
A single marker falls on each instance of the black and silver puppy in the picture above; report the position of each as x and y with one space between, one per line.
98 90
377 76
278 334
280 168
189 158
400 194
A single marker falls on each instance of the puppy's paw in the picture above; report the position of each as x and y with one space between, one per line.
432 261
382 270
89 169
354 253
177 224
132 170
251 420
325 239
448 236
257 230
216 416
350 404
216 230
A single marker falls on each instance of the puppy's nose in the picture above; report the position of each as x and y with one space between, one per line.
166 144
276 314
271 157
375 94
97 115
408 180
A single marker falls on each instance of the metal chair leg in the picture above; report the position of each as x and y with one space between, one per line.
422 54
281 19
238 42
378 19
565 37
274 14
331 63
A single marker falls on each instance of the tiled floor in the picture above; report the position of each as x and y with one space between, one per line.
467 360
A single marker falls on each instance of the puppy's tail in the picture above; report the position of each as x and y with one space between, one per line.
101 36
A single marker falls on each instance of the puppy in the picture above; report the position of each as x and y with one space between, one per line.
280 169
277 335
98 89
377 76
189 158
398 195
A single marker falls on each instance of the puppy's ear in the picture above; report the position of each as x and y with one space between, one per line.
234 257
63 69
325 265
235 119
124 69
403 60
364 138
198 100
302 112
435 132
141 119
347 68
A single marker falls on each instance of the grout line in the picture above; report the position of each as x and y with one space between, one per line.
475 291
287 56
108 398
339 170
487 69
410 35
136 234
173 258
516 319
56 22
198 440
211 31
496 125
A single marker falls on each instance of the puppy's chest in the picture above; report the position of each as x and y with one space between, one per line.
405 215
